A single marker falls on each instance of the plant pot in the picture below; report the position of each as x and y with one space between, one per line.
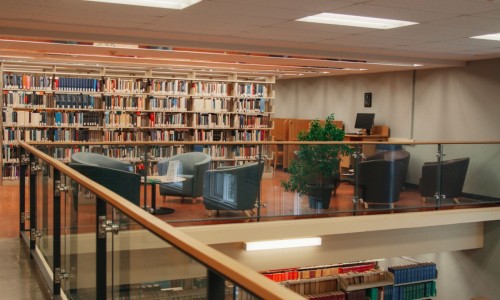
319 196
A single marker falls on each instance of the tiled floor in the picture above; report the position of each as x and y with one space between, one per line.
19 278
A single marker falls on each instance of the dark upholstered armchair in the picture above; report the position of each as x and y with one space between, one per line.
380 181
192 167
111 173
453 173
232 188
401 156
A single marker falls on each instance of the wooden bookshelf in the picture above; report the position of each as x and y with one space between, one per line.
90 104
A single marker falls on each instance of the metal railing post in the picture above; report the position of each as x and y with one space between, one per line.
215 286
33 194
56 239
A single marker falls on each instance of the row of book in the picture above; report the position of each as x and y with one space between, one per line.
411 291
10 172
11 136
201 88
175 86
73 135
139 103
414 272
327 284
27 99
125 85
131 85
318 271
353 278
112 102
338 295
168 103
27 82
50 100
252 89
149 135
77 84
10 154
244 121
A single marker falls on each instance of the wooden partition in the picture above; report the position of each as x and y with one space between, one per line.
288 130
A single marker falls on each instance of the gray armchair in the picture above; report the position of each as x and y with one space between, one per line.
232 188
453 175
111 173
192 167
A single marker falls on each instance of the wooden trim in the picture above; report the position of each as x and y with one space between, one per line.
215 260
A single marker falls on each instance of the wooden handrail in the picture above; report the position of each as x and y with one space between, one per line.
238 273
173 143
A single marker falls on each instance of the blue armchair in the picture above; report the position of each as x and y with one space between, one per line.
232 188
192 167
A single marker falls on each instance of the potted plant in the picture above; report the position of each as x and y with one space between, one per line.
315 170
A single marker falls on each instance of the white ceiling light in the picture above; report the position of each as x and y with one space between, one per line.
282 244
170 4
356 21
492 37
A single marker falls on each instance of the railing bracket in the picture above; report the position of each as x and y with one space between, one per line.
106 226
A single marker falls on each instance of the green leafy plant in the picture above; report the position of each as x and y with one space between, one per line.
316 165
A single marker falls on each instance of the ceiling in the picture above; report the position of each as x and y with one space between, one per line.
252 36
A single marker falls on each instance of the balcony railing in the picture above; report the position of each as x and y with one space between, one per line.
72 220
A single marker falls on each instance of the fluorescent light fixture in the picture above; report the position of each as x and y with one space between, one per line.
281 244
356 21
170 4
491 37
112 45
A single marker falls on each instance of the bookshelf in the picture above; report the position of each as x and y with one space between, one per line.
68 104
360 280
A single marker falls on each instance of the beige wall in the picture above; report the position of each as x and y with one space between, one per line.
452 104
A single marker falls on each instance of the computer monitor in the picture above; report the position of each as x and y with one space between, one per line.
364 121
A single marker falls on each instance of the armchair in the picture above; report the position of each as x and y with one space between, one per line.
453 173
111 173
192 167
232 188
401 156
380 181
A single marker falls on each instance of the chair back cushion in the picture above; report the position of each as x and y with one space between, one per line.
95 159
453 175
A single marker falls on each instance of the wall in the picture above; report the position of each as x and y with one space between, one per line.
453 104
312 98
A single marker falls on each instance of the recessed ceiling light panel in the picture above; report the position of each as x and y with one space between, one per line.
170 4
491 37
356 21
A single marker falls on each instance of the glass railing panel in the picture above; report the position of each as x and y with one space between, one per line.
144 266
44 207
78 241
275 201
470 175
